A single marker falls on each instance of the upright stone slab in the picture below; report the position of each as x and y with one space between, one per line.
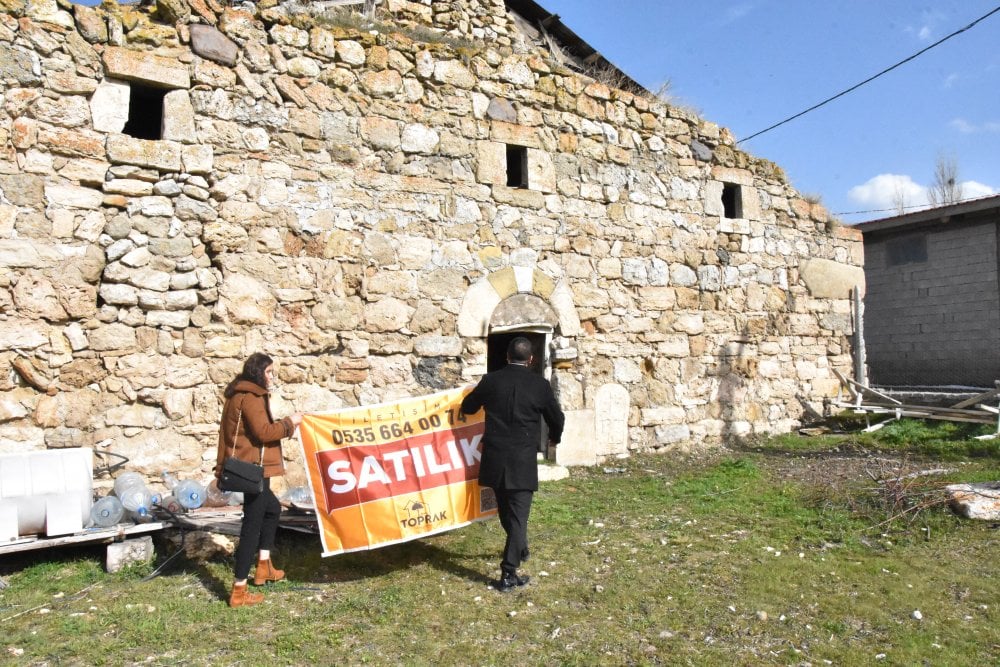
577 445
611 405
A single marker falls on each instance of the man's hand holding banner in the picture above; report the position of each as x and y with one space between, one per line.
394 472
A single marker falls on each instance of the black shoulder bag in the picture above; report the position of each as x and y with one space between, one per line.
240 476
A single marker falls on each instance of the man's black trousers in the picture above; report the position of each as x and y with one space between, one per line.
514 506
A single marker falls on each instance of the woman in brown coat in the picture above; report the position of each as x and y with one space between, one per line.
250 433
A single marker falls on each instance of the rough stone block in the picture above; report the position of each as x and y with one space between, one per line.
178 117
162 155
148 68
491 165
122 554
975 501
209 43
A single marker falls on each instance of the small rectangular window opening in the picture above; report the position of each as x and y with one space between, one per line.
145 112
732 201
517 166
910 249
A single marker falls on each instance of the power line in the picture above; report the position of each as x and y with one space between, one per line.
917 206
871 78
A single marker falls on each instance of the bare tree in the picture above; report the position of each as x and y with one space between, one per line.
899 199
946 189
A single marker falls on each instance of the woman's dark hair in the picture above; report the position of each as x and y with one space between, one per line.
253 371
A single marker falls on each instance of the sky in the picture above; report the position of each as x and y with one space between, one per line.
748 64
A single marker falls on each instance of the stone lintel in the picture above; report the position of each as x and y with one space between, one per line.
147 68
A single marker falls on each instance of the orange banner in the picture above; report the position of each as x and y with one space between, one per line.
393 472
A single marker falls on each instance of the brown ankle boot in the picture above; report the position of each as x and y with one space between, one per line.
241 597
265 572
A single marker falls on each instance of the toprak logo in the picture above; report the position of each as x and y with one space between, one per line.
419 514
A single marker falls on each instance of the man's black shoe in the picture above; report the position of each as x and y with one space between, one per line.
509 582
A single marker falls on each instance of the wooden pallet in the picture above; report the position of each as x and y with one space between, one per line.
227 520
867 401
117 533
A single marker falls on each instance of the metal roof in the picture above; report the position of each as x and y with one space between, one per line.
940 214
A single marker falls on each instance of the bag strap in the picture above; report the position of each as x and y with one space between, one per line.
236 434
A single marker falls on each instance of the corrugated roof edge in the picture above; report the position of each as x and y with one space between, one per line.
938 214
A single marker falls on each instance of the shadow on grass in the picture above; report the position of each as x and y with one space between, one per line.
303 561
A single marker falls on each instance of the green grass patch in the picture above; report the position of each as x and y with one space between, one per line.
752 557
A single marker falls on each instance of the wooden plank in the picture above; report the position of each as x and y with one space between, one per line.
977 399
91 535
845 384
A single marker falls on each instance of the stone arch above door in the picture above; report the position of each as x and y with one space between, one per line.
483 297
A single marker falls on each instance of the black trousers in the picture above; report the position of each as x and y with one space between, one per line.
514 506
260 525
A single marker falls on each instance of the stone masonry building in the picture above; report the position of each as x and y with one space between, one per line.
381 206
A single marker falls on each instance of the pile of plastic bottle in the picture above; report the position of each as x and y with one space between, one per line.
132 499
188 493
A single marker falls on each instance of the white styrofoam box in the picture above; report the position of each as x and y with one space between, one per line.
36 482
13 475
8 520
63 513
45 474
30 514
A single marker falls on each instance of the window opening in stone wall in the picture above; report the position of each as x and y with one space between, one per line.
145 112
732 200
910 249
517 166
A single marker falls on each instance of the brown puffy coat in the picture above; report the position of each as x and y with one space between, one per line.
257 430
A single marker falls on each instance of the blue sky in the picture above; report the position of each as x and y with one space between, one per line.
747 64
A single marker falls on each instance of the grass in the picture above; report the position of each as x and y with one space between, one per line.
775 554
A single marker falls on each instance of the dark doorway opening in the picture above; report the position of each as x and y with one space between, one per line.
496 350
496 358
145 112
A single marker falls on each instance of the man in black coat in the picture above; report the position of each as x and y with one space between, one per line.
516 401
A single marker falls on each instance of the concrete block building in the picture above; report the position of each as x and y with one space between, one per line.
932 309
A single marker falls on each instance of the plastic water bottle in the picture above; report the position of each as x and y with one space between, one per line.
127 480
300 496
170 481
214 497
190 494
138 500
106 512
170 504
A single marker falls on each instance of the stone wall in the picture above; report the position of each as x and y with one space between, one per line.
338 197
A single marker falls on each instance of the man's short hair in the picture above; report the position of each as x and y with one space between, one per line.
519 350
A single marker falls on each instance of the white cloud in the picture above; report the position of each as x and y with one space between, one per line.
737 12
924 33
973 189
965 127
962 125
887 191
